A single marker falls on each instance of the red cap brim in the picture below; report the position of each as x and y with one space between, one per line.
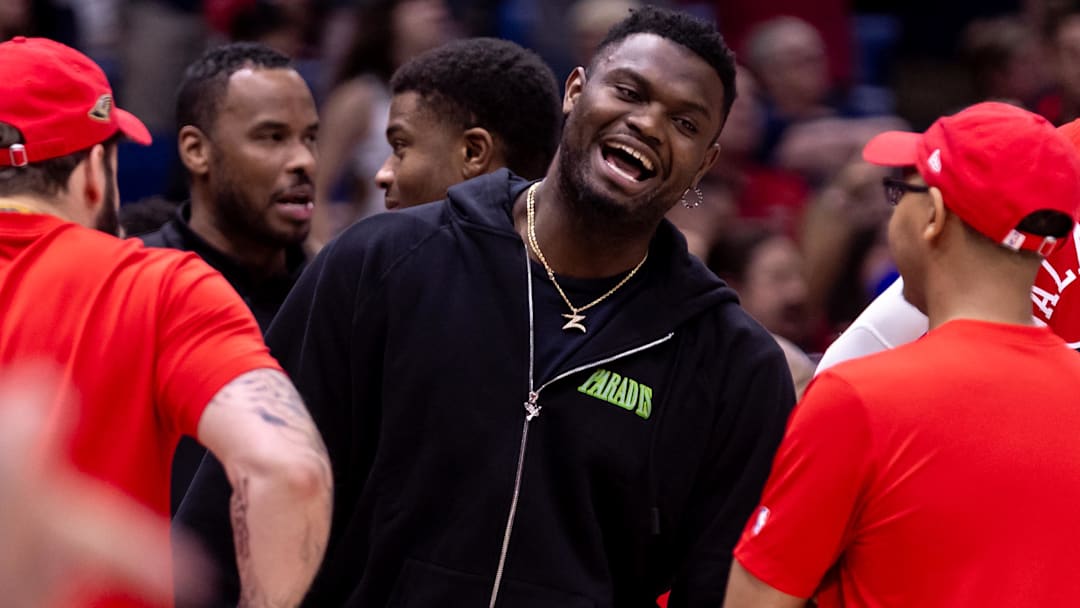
135 130
893 149
1071 131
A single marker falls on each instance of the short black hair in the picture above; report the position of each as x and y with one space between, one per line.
496 85
698 35
206 80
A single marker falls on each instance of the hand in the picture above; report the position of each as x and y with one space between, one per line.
57 524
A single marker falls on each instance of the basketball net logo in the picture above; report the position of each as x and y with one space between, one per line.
102 110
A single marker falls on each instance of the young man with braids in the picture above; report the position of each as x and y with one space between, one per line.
151 344
531 393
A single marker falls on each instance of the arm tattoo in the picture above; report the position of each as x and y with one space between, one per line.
238 515
272 400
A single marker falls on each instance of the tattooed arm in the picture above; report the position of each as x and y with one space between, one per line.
259 429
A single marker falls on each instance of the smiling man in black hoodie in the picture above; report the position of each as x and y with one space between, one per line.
533 396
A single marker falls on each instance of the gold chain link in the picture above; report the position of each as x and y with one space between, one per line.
530 206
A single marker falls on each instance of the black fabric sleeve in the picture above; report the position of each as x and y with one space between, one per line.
329 338
757 398
310 338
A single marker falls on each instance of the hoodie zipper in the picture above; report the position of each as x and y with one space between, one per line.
532 411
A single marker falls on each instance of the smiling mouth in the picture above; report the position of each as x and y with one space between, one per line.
628 162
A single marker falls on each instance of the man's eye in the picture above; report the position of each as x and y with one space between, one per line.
627 93
686 125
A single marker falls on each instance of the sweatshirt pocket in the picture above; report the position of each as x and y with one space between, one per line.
424 585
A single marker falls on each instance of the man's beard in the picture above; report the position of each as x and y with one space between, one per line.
593 206
239 217
108 220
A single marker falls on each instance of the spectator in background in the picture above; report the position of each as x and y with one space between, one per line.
843 245
247 131
14 18
387 34
1062 34
765 268
289 27
465 109
161 37
1005 60
810 127
590 20
152 344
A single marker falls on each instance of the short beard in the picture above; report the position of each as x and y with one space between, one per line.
593 207
240 218
108 219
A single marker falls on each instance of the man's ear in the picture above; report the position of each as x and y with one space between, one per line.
95 176
711 155
575 83
194 149
936 214
480 152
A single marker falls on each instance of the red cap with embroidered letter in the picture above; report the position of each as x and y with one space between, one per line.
994 164
59 100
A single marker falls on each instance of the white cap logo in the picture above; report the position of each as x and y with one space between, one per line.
1014 240
935 161
760 521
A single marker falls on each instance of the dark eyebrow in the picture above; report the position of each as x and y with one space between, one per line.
269 124
640 81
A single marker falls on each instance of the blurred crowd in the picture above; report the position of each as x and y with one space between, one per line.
790 216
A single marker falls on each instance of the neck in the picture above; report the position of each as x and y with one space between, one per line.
255 257
27 204
576 245
994 294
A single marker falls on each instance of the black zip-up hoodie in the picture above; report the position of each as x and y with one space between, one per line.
409 339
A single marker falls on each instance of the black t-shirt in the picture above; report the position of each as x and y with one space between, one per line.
555 345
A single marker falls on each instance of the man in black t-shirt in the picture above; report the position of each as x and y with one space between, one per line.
247 134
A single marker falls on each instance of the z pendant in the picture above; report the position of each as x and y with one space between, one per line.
574 322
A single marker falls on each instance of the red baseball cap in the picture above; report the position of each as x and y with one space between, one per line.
59 99
995 164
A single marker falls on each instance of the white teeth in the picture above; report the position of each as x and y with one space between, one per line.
638 155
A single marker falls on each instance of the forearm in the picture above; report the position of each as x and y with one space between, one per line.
280 527
282 486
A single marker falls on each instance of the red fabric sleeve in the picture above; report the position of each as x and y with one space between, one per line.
810 503
206 337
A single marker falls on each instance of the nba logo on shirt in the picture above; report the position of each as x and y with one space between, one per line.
760 520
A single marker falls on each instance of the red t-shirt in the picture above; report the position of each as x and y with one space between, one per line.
143 339
944 473
1053 294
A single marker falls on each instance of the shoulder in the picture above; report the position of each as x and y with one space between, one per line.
372 248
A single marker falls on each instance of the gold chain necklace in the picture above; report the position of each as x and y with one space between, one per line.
18 208
574 316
